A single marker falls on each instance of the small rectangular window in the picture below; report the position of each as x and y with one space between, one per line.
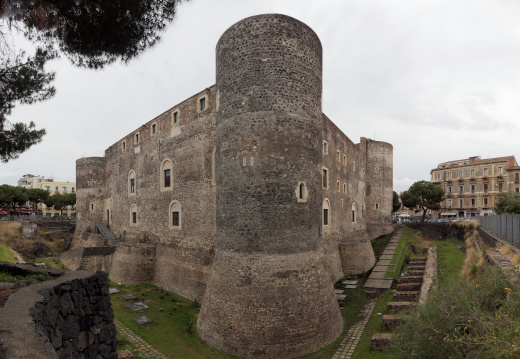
517 190
325 178
136 138
132 185
325 147
167 178
153 129
338 185
123 146
500 171
472 173
485 201
485 171
449 175
344 188
325 217
344 160
449 189
353 216
339 156
460 174
202 104
134 217
175 117
175 219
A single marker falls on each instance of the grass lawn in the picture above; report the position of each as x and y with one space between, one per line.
171 315
50 262
6 255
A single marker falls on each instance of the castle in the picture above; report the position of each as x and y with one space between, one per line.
245 197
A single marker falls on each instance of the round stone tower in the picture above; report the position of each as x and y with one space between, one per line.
90 179
269 295
380 179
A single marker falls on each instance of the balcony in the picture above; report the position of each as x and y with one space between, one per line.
485 178
473 179
448 194
461 179
448 180
500 177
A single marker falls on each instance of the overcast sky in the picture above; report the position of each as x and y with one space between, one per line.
439 80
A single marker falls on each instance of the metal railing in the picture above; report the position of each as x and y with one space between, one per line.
503 226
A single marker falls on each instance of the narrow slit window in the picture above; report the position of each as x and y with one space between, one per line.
153 129
132 185
167 178
325 179
325 217
202 104
134 217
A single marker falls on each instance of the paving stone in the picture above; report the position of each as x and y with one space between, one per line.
338 291
134 307
340 297
142 320
386 256
128 297
349 282
384 262
379 268
378 283
377 275
114 291
351 286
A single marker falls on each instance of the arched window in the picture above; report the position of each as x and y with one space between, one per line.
133 215
326 213
354 212
175 215
166 175
132 184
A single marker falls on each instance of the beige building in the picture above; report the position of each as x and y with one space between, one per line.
472 185
53 188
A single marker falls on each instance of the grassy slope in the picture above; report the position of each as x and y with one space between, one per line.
450 261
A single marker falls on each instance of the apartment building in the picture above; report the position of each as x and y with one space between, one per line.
473 184
53 188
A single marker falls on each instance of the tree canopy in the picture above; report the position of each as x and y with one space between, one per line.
423 195
396 205
508 203
60 201
90 33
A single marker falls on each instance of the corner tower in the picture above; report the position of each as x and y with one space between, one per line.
269 294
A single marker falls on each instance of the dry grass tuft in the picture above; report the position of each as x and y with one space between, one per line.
505 250
472 264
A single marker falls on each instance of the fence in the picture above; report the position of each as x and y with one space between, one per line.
503 226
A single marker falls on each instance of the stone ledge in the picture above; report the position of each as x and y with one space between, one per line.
381 341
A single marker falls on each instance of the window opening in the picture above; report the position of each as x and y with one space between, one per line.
325 179
202 104
175 219
167 178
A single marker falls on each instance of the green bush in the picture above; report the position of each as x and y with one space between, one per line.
466 319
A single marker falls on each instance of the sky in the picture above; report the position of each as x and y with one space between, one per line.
439 80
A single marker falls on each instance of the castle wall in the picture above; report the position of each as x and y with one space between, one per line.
268 286
346 231
266 203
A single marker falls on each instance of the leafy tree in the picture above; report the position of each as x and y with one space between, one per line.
11 196
37 195
423 195
396 205
508 203
91 33
60 201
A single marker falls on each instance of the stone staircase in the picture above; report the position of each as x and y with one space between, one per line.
405 297
105 232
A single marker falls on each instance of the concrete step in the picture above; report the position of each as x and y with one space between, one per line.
411 279
396 307
381 341
409 286
391 321
416 268
414 273
406 296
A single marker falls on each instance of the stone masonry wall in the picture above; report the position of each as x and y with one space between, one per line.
66 317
